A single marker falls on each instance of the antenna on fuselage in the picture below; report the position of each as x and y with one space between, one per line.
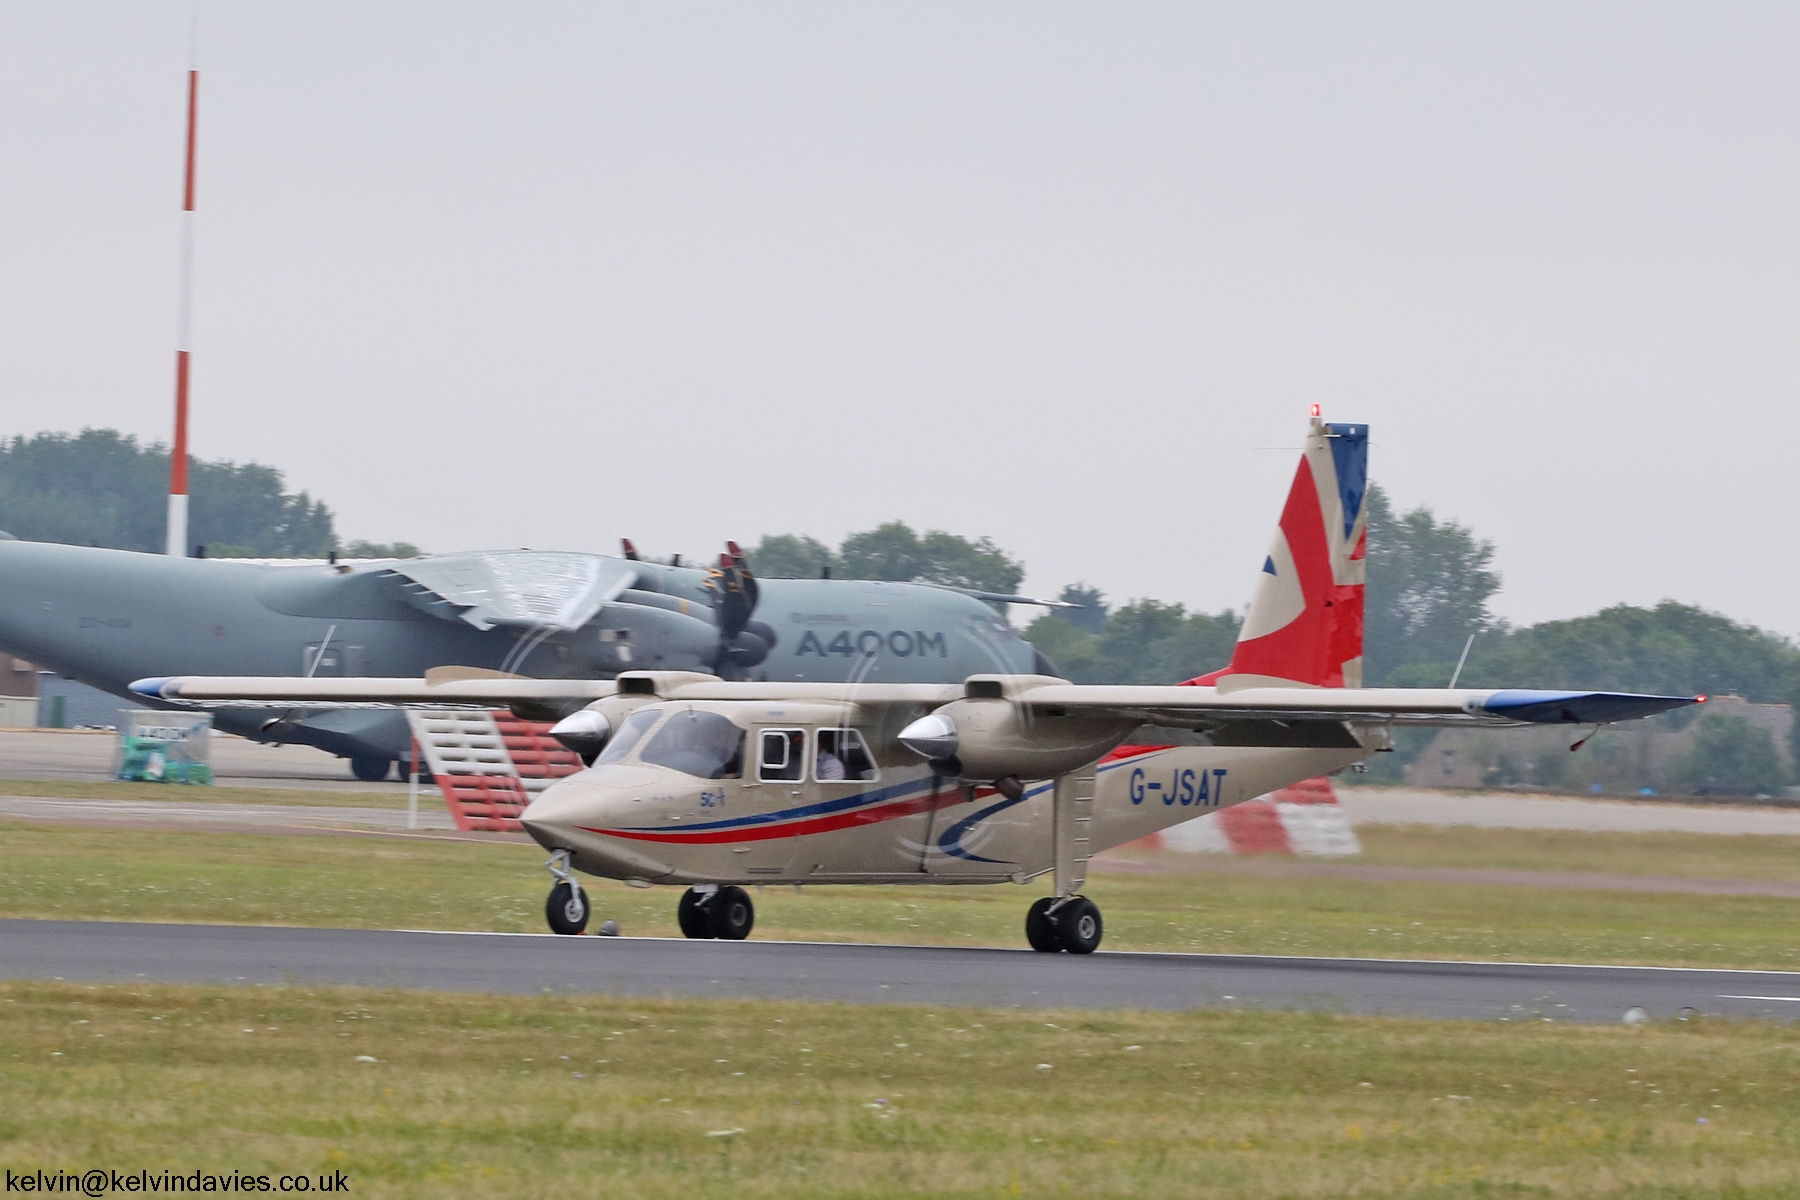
176 543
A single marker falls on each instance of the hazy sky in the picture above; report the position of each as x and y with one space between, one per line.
1066 275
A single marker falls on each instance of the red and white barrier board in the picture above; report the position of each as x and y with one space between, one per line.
1303 818
489 764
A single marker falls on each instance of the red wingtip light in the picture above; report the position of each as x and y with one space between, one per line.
1315 410
1699 699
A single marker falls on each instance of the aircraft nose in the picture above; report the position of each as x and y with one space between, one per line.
576 813
560 810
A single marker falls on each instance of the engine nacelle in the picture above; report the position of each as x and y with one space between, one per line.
992 739
625 637
585 733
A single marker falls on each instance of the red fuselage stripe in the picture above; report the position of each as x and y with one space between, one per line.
763 833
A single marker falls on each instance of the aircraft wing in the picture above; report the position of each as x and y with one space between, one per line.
285 691
531 588
1409 706
1198 707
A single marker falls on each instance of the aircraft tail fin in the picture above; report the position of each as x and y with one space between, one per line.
1305 624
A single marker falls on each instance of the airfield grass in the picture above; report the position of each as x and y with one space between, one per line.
532 1096
60 872
70 789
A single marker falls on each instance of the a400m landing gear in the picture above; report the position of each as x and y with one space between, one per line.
708 911
370 769
1073 924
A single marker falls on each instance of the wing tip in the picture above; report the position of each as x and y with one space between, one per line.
1579 708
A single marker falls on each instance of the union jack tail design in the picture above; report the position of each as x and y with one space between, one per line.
1305 624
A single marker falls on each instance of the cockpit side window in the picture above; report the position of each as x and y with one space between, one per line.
630 733
843 755
781 755
698 743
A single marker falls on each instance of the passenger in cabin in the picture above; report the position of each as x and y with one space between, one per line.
842 756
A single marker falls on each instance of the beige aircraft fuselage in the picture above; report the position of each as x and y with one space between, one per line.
770 818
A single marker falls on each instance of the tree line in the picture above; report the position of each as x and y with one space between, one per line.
894 552
101 487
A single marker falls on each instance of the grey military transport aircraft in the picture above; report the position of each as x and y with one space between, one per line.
1008 775
107 617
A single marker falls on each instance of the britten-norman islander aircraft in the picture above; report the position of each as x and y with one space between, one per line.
718 784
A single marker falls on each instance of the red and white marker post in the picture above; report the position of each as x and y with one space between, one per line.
178 453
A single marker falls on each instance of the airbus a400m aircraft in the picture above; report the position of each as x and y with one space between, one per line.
717 784
107 617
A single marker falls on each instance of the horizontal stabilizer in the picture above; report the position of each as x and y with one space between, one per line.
1004 598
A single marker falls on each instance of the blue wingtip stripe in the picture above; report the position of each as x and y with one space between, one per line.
1567 708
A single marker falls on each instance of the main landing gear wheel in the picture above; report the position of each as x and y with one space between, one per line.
1074 925
1039 930
370 769
732 914
716 913
1079 923
567 908
692 916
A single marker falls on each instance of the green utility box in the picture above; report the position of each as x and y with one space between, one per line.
164 747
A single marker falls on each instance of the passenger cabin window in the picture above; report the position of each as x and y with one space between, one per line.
843 755
630 733
702 744
782 757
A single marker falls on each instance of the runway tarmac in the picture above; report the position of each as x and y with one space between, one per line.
252 818
94 951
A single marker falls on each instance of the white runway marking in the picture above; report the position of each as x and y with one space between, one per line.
1783 999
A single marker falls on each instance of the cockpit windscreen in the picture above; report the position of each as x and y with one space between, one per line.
630 733
698 743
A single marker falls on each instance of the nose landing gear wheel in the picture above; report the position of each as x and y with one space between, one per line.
567 908
1074 925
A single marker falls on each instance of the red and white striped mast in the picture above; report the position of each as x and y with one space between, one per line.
178 453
